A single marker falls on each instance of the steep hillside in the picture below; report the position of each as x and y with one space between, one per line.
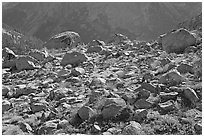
143 21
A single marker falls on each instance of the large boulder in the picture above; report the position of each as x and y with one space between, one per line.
73 58
63 40
177 41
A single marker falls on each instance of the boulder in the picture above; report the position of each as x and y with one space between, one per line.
85 112
142 104
63 40
177 41
185 68
73 58
111 107
171 78
191 95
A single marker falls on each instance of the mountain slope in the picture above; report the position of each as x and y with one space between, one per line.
98 20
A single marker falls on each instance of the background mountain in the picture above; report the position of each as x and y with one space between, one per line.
143 21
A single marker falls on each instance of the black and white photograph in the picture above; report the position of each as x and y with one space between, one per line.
101 68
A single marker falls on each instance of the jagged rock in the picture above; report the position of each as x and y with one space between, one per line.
111 107
166 107
171 78
73 58
85 112
8 54
140 114
63 40
191 95
177 41
185 68
142 104
6 105
134 128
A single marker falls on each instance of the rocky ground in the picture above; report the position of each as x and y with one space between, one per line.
124 87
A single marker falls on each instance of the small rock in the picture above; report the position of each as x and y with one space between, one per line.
38 55
25 127
171 78
94 49
198 128
73 58
185 68
143 94
63 124
140 114
5 90
133 128
111 107
85 112
77 71
97 82
8 54
6 105
130 97
168 96
166 107
142 104
37 107
191 95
